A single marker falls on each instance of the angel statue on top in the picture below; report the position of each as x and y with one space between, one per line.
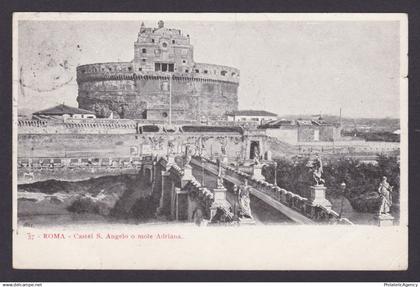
316 167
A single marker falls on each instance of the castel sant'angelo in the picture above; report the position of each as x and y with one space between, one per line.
163 65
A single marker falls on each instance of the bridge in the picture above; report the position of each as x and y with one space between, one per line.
182 197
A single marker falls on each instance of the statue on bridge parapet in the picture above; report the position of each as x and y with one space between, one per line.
189 151
219 175
383 217
385 192
244 201
317 191
171 151
317 169
257 166
257 157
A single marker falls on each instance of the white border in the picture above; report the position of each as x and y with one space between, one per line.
259 248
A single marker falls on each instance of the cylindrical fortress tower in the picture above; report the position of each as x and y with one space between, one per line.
163 64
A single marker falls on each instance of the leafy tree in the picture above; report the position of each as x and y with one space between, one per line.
362 179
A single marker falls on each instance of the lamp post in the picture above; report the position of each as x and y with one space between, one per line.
275 173
169 89
343 188
170 99
202 161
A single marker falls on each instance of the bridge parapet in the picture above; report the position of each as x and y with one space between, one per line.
182 197
317 213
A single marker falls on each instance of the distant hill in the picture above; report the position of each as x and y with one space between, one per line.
382 124
25 112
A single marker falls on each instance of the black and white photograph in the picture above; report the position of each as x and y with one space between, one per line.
157 130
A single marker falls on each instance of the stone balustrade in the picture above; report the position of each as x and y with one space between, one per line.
301 204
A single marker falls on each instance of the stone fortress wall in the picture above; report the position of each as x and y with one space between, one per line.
128 89
125 138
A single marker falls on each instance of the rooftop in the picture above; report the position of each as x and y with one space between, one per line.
252 113
63 109
296 123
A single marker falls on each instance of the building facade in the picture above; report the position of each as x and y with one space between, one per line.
300 131
63 112
256 116
163 70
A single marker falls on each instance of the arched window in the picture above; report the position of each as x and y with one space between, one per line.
144 51
223 73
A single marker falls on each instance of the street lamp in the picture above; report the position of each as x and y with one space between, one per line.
169 89
343 188
275 173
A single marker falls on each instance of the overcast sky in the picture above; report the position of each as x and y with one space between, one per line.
286 67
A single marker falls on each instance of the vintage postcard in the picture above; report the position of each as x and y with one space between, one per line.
210 141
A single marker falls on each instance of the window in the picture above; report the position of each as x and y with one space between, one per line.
206 72
140 69
197 71
144 51
233 74
183 61
165 114
164 67
129 69
153 40
173 41
186 71
143 60
223 73
164 45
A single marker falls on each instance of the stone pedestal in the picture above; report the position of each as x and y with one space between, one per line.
219 200
187 173
219 194
256 173
171 159
384 219
246 221
317 196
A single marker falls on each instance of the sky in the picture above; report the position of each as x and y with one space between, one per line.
287 67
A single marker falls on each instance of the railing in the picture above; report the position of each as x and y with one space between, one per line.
294 201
